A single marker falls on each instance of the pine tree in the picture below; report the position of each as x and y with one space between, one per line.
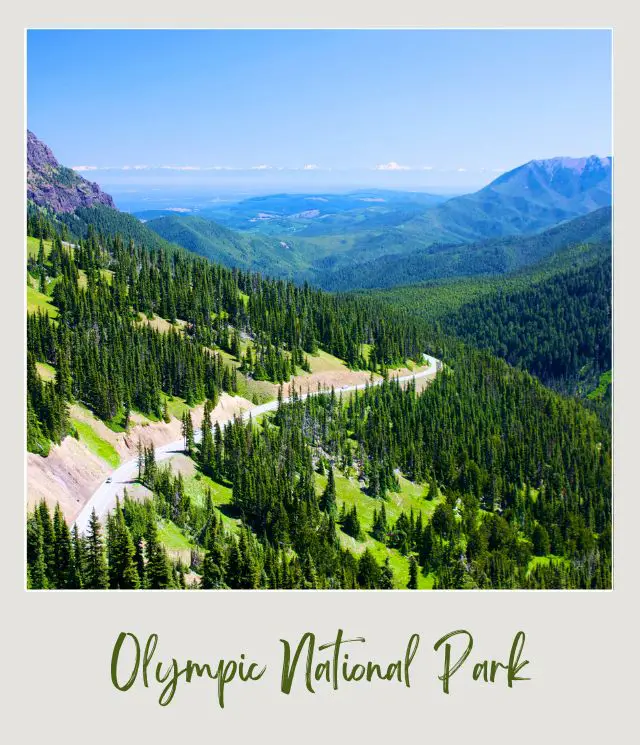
123 573
213 566
35 554
158 571
96 570
64 559
412 584
48 541
351 524
386 576
328 501
433 490
76 580
368 571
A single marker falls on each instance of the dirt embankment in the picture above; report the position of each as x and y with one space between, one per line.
71 472
69 475
326 380
340 377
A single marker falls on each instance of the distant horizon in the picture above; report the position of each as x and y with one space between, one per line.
152 194
178 198
193 192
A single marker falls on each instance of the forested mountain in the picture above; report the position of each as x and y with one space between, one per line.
559 328
511 471
498 229
552 319
114 363
207 238
394 257
484 479
492 257
525 200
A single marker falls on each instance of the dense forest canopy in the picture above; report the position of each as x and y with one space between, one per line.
552 319
113 363
518 477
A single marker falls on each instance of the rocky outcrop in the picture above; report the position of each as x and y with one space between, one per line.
54 186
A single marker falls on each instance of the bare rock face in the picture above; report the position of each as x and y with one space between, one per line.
54 186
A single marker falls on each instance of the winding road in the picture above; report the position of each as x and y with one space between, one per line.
104 497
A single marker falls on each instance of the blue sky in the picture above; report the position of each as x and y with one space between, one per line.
387 108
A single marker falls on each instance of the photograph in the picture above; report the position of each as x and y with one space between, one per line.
318 309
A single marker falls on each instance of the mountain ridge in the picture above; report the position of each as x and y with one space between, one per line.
531 197
55 186
493 256
464 235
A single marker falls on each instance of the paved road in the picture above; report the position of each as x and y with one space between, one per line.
104 497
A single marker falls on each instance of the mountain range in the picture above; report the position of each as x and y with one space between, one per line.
363 239
527 199
338 247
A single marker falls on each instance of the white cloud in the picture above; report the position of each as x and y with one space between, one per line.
181 168
391 166
427 168
259 167
461 170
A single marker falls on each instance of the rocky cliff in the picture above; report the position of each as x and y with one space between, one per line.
54 186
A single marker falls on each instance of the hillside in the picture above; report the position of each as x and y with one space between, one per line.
525 200
372 239
357 240
557 328
492 257
207 238
552 318
446 239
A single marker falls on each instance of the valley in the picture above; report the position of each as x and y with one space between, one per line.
520 218
200 415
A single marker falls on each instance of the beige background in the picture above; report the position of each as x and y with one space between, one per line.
57 646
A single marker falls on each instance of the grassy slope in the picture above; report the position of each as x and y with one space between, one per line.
606 380
410 497
96 444
46 372
245 251
33 246
172 537
38 301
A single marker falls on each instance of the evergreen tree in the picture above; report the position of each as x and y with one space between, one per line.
412 584
158 571
328 501
386 576
96 570
123 572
